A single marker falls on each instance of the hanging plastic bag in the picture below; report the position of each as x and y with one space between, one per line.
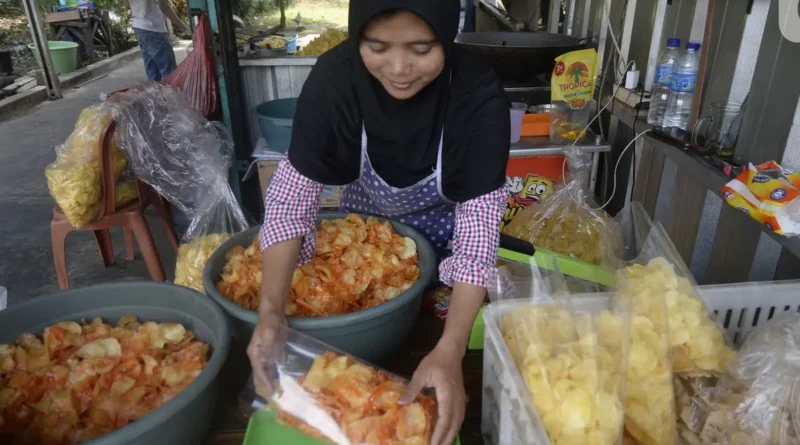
186 159
327 394
196 76
571 352
568 222
74 178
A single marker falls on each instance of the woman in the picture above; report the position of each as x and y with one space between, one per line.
419 132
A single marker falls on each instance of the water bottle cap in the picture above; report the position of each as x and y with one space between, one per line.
673 43
693 46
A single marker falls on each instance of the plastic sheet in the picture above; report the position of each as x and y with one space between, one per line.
328 394
571 353
74 178
567 221
196 76
186 159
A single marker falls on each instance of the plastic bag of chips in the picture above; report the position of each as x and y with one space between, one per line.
568 222
186 159
672 333
327 394
74 178
571 352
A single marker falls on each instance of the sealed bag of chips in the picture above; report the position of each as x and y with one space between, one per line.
569 221
571 351
186 159
325 393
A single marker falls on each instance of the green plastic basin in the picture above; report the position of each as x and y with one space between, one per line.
63 54
373 334
185 419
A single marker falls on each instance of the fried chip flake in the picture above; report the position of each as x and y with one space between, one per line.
362 401
83 381
358 264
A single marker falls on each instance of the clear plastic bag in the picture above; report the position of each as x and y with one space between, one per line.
330 395
186 159
568 222
758 402
672 332
572 354
74 177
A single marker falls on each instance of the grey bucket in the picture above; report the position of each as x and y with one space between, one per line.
275 119
373 334
186 419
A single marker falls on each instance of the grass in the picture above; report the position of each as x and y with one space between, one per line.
314 13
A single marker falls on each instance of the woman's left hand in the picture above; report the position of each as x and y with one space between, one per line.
441 370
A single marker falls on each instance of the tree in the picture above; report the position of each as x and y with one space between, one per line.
282 5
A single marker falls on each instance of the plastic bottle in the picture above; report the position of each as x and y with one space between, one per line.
663 82
684 79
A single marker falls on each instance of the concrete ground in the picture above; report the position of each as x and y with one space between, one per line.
26 147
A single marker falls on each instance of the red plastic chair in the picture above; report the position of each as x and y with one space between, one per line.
128 216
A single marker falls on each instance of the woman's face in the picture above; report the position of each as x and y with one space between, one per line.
402 52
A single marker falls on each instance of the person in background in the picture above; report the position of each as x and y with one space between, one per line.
151 33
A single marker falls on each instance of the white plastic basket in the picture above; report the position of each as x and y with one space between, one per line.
508 416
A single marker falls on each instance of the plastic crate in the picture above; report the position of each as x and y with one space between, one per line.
508 416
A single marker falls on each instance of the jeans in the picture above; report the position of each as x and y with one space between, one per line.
159 59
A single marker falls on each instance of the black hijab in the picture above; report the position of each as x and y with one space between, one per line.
403 135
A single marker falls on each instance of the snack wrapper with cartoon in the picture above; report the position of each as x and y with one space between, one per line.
437 300
768 193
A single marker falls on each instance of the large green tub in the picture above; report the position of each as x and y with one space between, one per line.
373 334
63 54
183 420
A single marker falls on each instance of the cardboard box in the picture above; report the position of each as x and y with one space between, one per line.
331 195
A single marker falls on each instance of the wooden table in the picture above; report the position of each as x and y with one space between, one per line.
231 419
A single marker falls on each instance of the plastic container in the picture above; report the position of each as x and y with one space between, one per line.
663 82
275 119
63 54
517 113
508 416
684 80
265 53
291 44
373 334
537 124
185 419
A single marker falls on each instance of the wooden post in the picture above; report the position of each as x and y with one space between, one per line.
40 39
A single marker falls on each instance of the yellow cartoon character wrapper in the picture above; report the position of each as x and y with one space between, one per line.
572 87
768 193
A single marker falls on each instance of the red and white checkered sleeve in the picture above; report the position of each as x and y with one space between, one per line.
475 241
290 210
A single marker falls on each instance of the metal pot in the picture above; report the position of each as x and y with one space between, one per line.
519 56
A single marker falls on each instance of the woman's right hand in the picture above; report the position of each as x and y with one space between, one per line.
267 336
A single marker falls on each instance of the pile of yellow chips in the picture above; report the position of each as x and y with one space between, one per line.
74 178
192 259
697 345
574 368
323 43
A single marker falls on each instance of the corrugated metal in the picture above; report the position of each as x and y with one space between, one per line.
705 236
265 82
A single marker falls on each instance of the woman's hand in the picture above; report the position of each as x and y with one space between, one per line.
266 337
441 370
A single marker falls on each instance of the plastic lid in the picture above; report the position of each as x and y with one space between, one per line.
673 43
692 46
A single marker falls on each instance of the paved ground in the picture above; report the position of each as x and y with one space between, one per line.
26 147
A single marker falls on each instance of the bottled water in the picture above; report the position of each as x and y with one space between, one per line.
663 81
684 79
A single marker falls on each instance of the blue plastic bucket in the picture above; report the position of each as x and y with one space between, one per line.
275 119
291 44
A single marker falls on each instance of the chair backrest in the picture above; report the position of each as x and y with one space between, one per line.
108 183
